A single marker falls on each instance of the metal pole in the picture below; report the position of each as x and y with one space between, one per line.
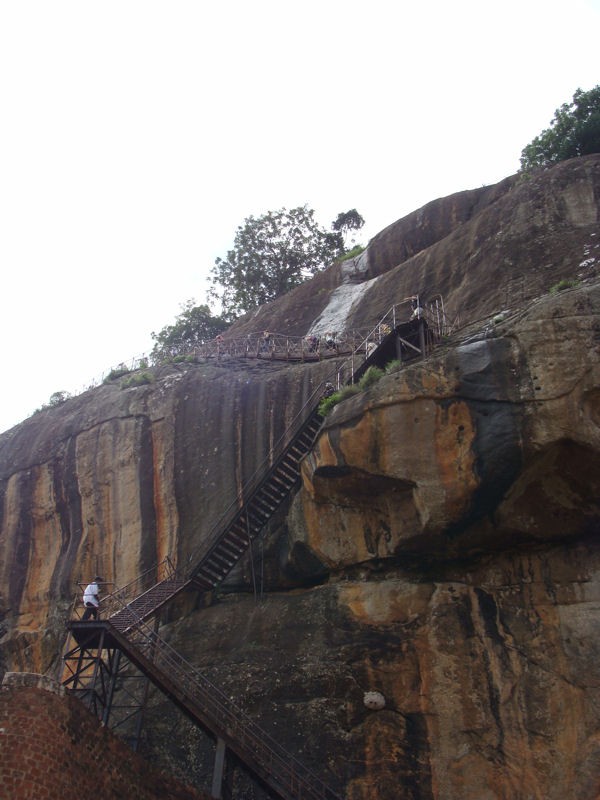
399 348
111 687
422 337
219 769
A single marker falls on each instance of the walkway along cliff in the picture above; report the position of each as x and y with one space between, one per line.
440 555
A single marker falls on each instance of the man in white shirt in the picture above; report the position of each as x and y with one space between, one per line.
91 599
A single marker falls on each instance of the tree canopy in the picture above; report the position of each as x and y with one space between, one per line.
348 221
574 131
193 326
272 254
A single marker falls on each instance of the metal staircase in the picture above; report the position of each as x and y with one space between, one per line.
92 664
235 537
229 538
124 627
201 701
147 604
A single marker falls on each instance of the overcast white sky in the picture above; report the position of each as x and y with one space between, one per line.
136 136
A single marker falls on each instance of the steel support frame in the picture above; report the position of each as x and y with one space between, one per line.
108 684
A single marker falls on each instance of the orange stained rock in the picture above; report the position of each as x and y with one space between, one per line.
360 446
324 452
165 508
327 536
385 603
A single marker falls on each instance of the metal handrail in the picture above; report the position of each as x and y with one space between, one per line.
214 703
252 485
159 572
224 715
260 475
282 346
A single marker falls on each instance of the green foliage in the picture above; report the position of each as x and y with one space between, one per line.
371 376
57 399
117 372
328 403
574 131
393 366
193 326
271 254
347 221
563 284
344 223
349 390
356 251
137 379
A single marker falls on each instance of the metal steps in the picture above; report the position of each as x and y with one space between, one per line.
235 537
147 604
94 670
127 610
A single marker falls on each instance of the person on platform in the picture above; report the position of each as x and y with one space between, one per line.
417 310
266 342
330 341
91 599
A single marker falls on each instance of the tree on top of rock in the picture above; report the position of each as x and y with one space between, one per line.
574 131
194 325
272 254
348 221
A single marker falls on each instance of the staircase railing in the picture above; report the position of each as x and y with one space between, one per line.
114 601
261 474
286 347
127 609
343 372
211 706
375 335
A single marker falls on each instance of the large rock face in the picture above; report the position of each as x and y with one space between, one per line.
484 250
442 552
490 442
116 480
460 498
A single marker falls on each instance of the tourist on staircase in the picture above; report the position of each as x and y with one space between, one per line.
91 599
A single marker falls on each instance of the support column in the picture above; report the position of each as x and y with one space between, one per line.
219 770
111 687
422 338
399 348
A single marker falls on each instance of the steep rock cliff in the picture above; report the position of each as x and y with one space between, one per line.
115 480
483 251
455 508
441 552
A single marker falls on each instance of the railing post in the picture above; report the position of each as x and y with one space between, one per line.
398 348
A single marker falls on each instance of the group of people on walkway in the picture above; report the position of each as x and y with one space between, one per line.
312 345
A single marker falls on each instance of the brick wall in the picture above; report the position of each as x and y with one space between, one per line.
52 748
